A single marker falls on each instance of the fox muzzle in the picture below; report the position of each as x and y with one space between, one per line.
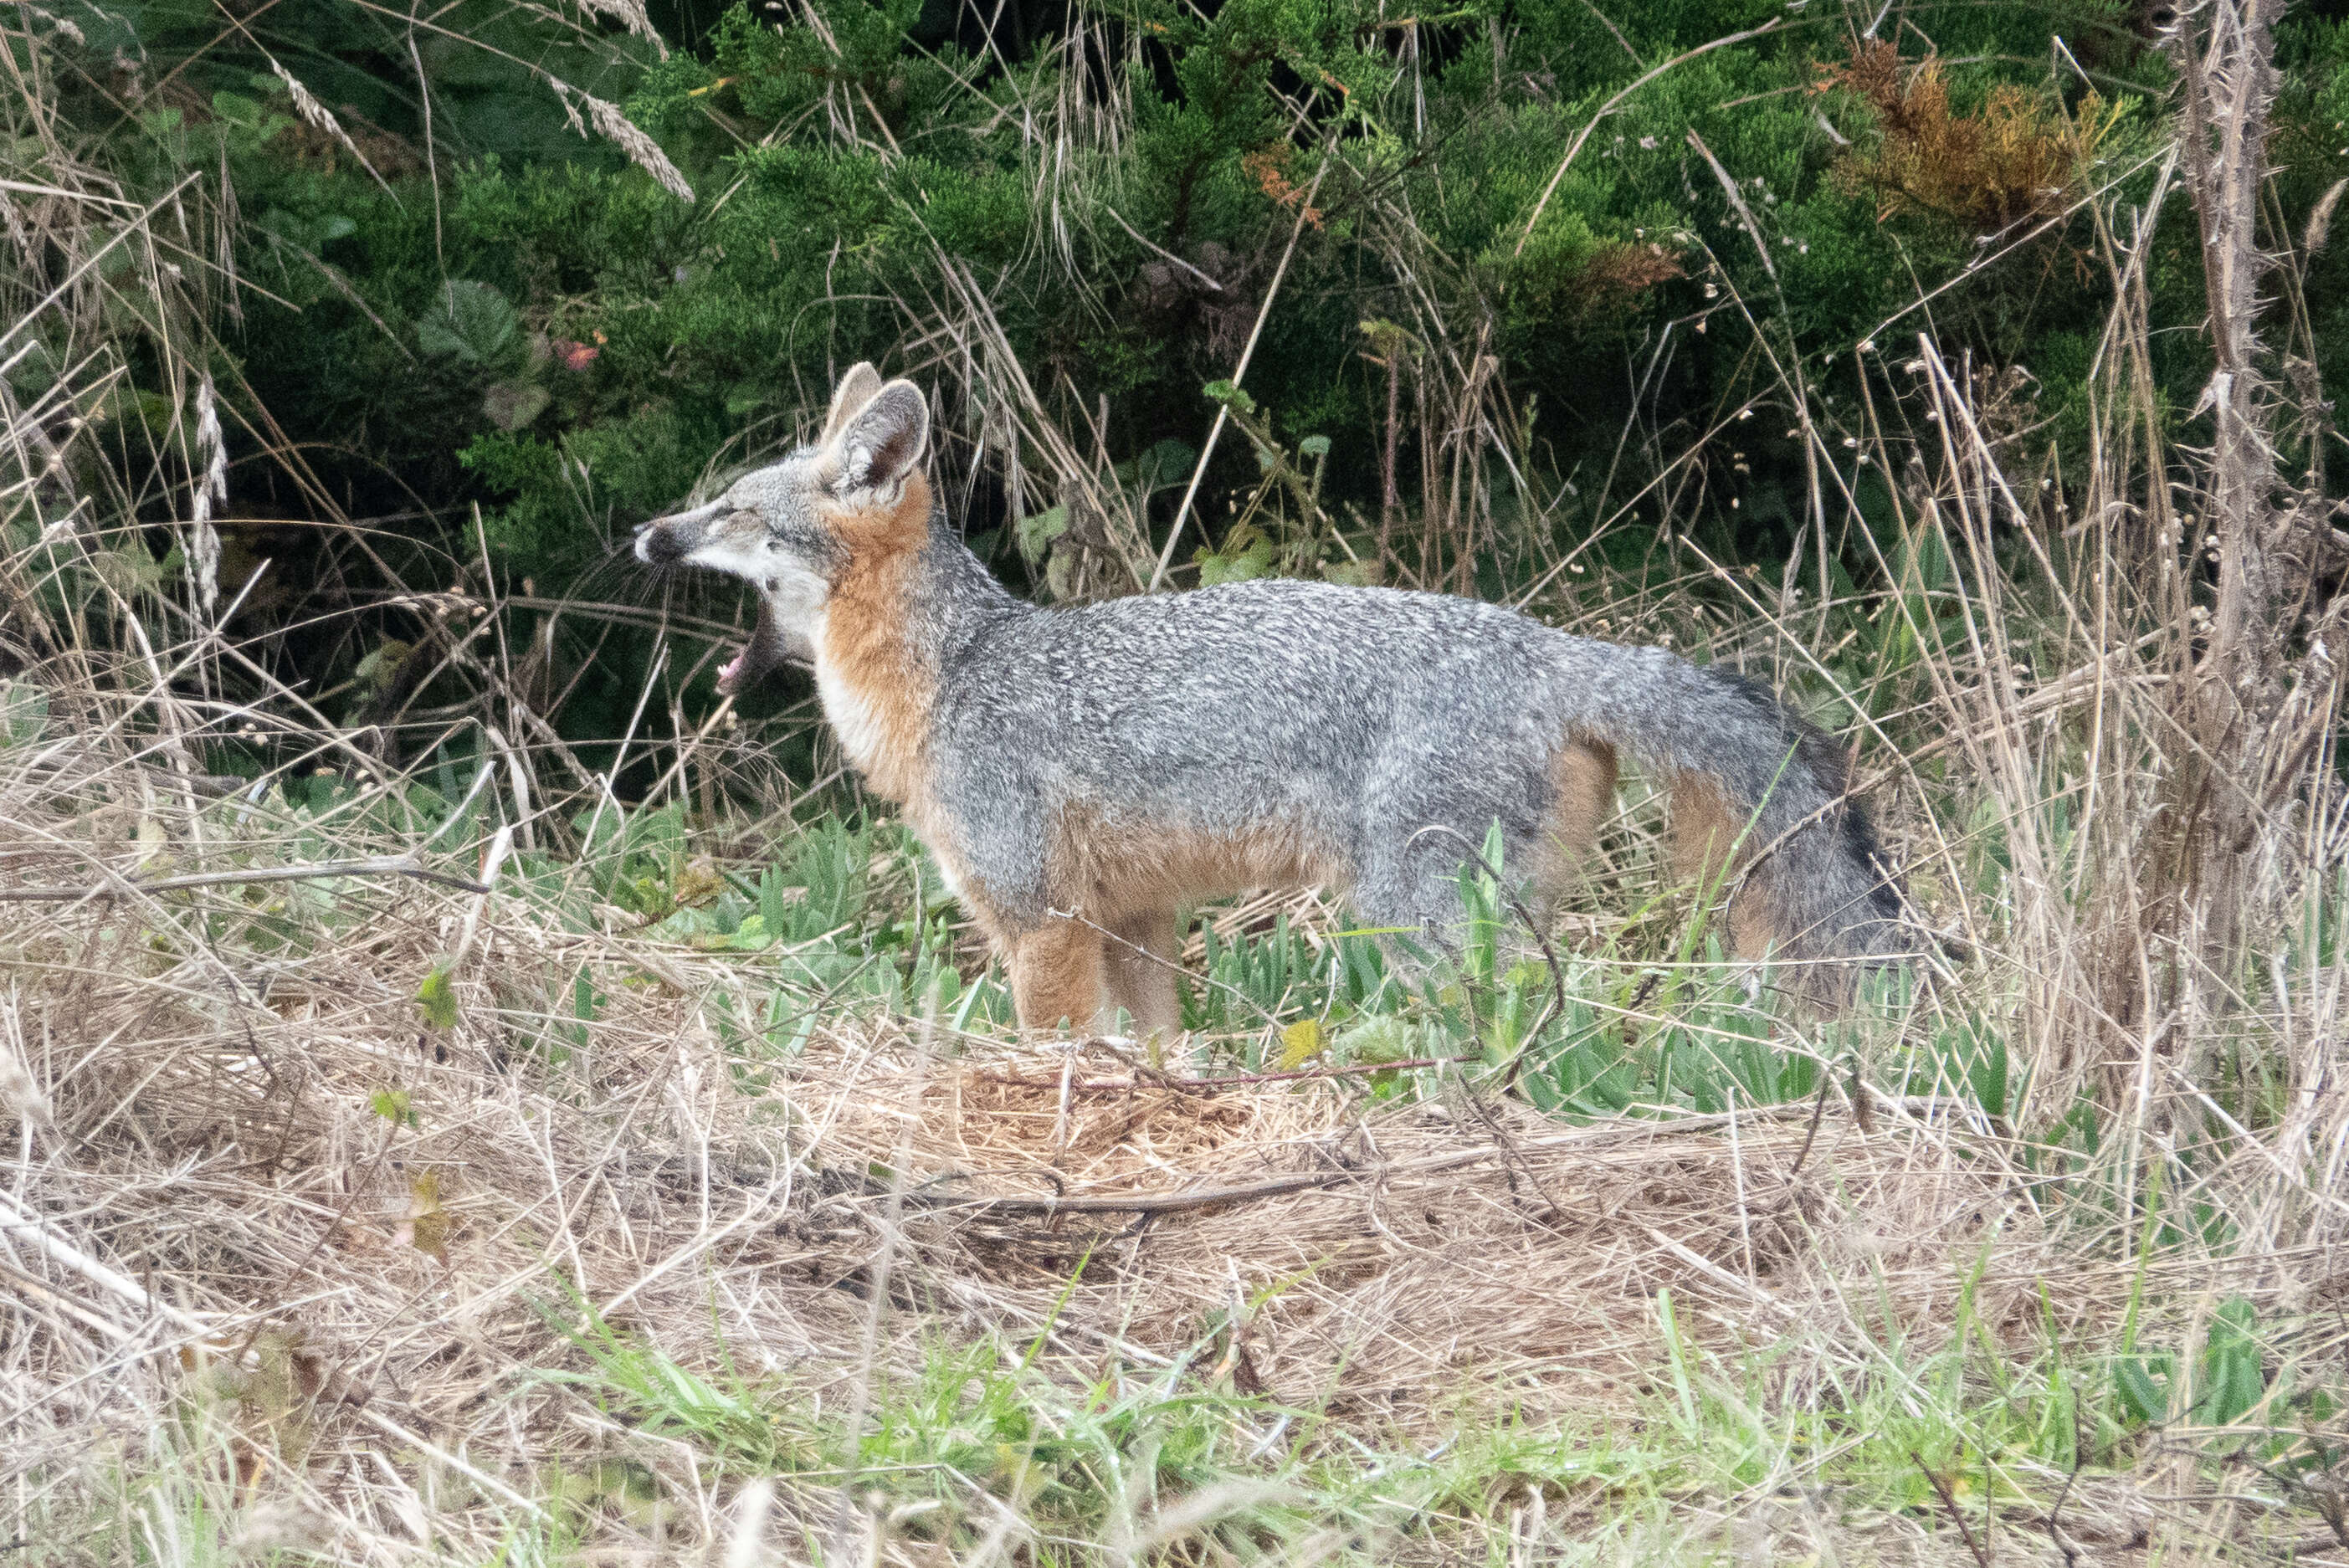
665 540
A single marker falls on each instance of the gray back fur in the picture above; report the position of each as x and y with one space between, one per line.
1358 716
1349 718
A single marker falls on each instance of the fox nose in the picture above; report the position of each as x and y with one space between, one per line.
657 544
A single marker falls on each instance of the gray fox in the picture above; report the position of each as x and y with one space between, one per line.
1080 773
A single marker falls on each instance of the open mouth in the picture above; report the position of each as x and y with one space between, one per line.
759 657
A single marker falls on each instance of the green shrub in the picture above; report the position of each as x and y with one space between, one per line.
496 309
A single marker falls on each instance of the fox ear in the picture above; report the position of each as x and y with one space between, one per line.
882 442
856 390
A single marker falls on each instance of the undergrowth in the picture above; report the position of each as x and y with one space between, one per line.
472 1095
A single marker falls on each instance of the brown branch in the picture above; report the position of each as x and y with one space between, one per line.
1232 1080
1154 1203
390 865
1941 1489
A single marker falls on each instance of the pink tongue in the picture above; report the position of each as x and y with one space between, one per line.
732 672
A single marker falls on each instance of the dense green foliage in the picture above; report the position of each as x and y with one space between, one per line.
467 302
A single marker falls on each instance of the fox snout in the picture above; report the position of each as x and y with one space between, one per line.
665 540
657 546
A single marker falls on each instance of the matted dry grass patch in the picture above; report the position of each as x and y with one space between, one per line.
321 1203
359 1240
1397 1256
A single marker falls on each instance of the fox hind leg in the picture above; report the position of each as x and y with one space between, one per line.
1584 774
1706 835
1143 983
1406 890
1056 976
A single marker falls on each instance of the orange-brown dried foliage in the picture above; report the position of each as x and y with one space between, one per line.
1269 167
1619 269
2017 160
1606 280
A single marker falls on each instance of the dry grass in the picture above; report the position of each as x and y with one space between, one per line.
333 1227
291 1264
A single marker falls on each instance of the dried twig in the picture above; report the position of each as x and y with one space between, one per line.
1949 1502
385 865
1247 352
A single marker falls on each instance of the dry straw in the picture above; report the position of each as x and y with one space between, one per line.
280 1237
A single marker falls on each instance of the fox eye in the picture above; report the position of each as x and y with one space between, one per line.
776 545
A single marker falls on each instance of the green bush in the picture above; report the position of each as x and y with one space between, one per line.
484 306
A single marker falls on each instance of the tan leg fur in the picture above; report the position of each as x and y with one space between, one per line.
1704 831
1584 774
1056 976
1143 983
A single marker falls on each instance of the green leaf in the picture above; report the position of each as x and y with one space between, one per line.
237 109
1230 395
2232 1378
392 1105
249 121
2146 1398
1167 463
1383 1038
1990 1076
511 405
24 713
1255 561
472 322
380 667
437 998
1314 446
1037 530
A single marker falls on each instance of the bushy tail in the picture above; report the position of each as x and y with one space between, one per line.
1759 810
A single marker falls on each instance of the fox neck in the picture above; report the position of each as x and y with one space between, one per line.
908 597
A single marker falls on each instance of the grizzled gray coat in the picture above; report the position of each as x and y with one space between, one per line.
1080 773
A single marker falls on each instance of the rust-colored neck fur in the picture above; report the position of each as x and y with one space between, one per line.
877 687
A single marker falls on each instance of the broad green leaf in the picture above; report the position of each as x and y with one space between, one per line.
1255 561
511 405
1383 1038
1167 463
381 665
437 998
1037 530
2146 1398
473 323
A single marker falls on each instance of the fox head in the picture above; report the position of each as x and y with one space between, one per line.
790 529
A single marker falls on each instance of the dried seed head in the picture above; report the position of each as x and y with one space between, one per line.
318 116
211 464
617 128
